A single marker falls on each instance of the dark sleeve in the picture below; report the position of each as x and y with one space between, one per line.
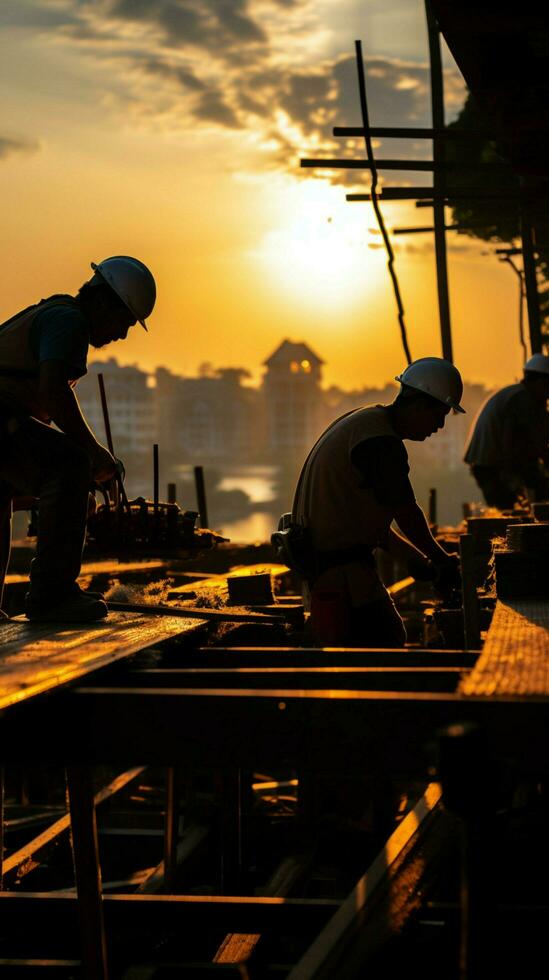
383 467
62 335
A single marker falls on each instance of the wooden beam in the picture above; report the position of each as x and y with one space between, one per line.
87 873
324 957
27 858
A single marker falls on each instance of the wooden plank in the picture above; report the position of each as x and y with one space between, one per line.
197 912
515 657
315 962
110 567
37 657
351 678
218 583
234 614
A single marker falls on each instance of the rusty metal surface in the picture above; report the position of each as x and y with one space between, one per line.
35 658
515 658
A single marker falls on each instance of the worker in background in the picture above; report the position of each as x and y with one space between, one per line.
508 446
43 352
353 486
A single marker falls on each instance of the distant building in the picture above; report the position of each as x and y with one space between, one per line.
293 398
131 403
212 418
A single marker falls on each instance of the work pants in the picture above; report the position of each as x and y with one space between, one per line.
350 607
37 460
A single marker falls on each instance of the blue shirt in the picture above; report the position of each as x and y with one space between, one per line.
61 333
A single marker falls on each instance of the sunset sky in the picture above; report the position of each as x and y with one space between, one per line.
172 130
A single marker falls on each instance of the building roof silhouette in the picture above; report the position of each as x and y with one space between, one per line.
289 351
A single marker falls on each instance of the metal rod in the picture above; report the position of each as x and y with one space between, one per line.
105 409
411 132
110 445
374 199
87 872
428 166
172 493
530 281
201 495
439 183
156 473
427 194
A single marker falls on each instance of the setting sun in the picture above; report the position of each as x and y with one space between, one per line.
323 253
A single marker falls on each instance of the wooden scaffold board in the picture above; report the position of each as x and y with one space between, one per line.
515 657
35 658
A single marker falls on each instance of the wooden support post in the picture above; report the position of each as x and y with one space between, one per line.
439 182
1 828
231 831
171 828
530 281
471 619
172 493
201 495
87 872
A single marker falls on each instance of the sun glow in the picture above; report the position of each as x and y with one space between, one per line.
322 251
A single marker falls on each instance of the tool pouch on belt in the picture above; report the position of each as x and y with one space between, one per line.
293 547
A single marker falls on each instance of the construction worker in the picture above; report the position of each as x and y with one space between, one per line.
508 445
352 487
43 352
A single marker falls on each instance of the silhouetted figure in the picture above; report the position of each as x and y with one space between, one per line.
353 485
43 351
508 446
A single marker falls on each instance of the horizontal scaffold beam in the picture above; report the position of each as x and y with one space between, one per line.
319 730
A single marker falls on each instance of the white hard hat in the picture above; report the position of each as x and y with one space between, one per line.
132 281
538 363
435 377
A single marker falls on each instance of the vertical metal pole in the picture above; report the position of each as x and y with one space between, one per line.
87 872
156 475
172 493
171 826
471 618
530 281
201 495
439 182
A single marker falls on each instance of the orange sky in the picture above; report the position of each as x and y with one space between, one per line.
167 132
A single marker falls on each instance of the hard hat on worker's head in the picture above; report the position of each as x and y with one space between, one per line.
539 363
436 377
131 280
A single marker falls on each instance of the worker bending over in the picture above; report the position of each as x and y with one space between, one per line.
352 487
43 352
508 446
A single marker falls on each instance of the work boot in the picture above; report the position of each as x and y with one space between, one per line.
76 590
70 609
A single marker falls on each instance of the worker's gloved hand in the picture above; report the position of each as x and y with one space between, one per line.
103 464
422 569
447 577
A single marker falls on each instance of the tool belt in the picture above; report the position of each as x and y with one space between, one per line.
325 560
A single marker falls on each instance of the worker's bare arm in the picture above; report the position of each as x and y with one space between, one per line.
60 403
412 522
403 549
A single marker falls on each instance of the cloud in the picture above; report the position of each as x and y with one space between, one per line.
239 65
10 146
